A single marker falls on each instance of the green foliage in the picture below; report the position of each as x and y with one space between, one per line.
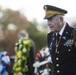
40 40
14 17
38 37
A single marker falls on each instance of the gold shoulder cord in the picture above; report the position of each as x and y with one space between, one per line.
57 44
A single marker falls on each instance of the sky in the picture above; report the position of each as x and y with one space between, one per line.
33 9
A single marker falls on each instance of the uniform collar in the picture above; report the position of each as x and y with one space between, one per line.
61 31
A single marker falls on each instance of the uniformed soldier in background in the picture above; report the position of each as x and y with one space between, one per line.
61 41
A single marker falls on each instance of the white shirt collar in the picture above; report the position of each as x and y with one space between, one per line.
61 31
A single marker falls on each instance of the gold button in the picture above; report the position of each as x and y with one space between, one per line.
53 38
56 46
58 71
57 58
69 50
57 52
57 65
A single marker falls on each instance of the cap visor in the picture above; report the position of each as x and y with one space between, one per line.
48 16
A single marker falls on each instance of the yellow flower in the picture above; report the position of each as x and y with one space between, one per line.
27 42
19 53
19 73
15 65
18 69
16 58
15 73
24 57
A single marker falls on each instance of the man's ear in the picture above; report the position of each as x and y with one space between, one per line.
62 20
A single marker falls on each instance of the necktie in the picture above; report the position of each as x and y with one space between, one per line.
58 37
57 42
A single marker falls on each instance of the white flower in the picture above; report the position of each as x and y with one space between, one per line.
24 50
20 46
15 48
19 61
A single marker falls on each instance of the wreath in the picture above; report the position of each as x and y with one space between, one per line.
43 62
4 63
22 48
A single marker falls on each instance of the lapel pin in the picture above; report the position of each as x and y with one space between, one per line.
53 38
53 34
66 32
51 43
64 38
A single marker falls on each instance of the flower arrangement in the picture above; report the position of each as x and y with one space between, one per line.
22 48
43 62
4 63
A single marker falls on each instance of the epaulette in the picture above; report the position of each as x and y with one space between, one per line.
74 35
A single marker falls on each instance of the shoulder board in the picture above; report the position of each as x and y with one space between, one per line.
75 29
74 35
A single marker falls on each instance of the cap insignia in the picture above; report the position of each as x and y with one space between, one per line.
45 8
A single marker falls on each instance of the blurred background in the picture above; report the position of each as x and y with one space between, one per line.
27 15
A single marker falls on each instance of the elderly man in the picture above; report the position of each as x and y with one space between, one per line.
61 41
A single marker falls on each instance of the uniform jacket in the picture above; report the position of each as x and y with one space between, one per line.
64 61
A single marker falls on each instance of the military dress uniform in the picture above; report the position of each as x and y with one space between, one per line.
64 60
63 51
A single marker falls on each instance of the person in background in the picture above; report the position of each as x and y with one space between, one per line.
30 59
61 41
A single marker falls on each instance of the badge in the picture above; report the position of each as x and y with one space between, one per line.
68 43
45 8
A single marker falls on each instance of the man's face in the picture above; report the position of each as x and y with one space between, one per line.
54 23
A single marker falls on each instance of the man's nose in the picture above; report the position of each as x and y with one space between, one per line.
49 23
